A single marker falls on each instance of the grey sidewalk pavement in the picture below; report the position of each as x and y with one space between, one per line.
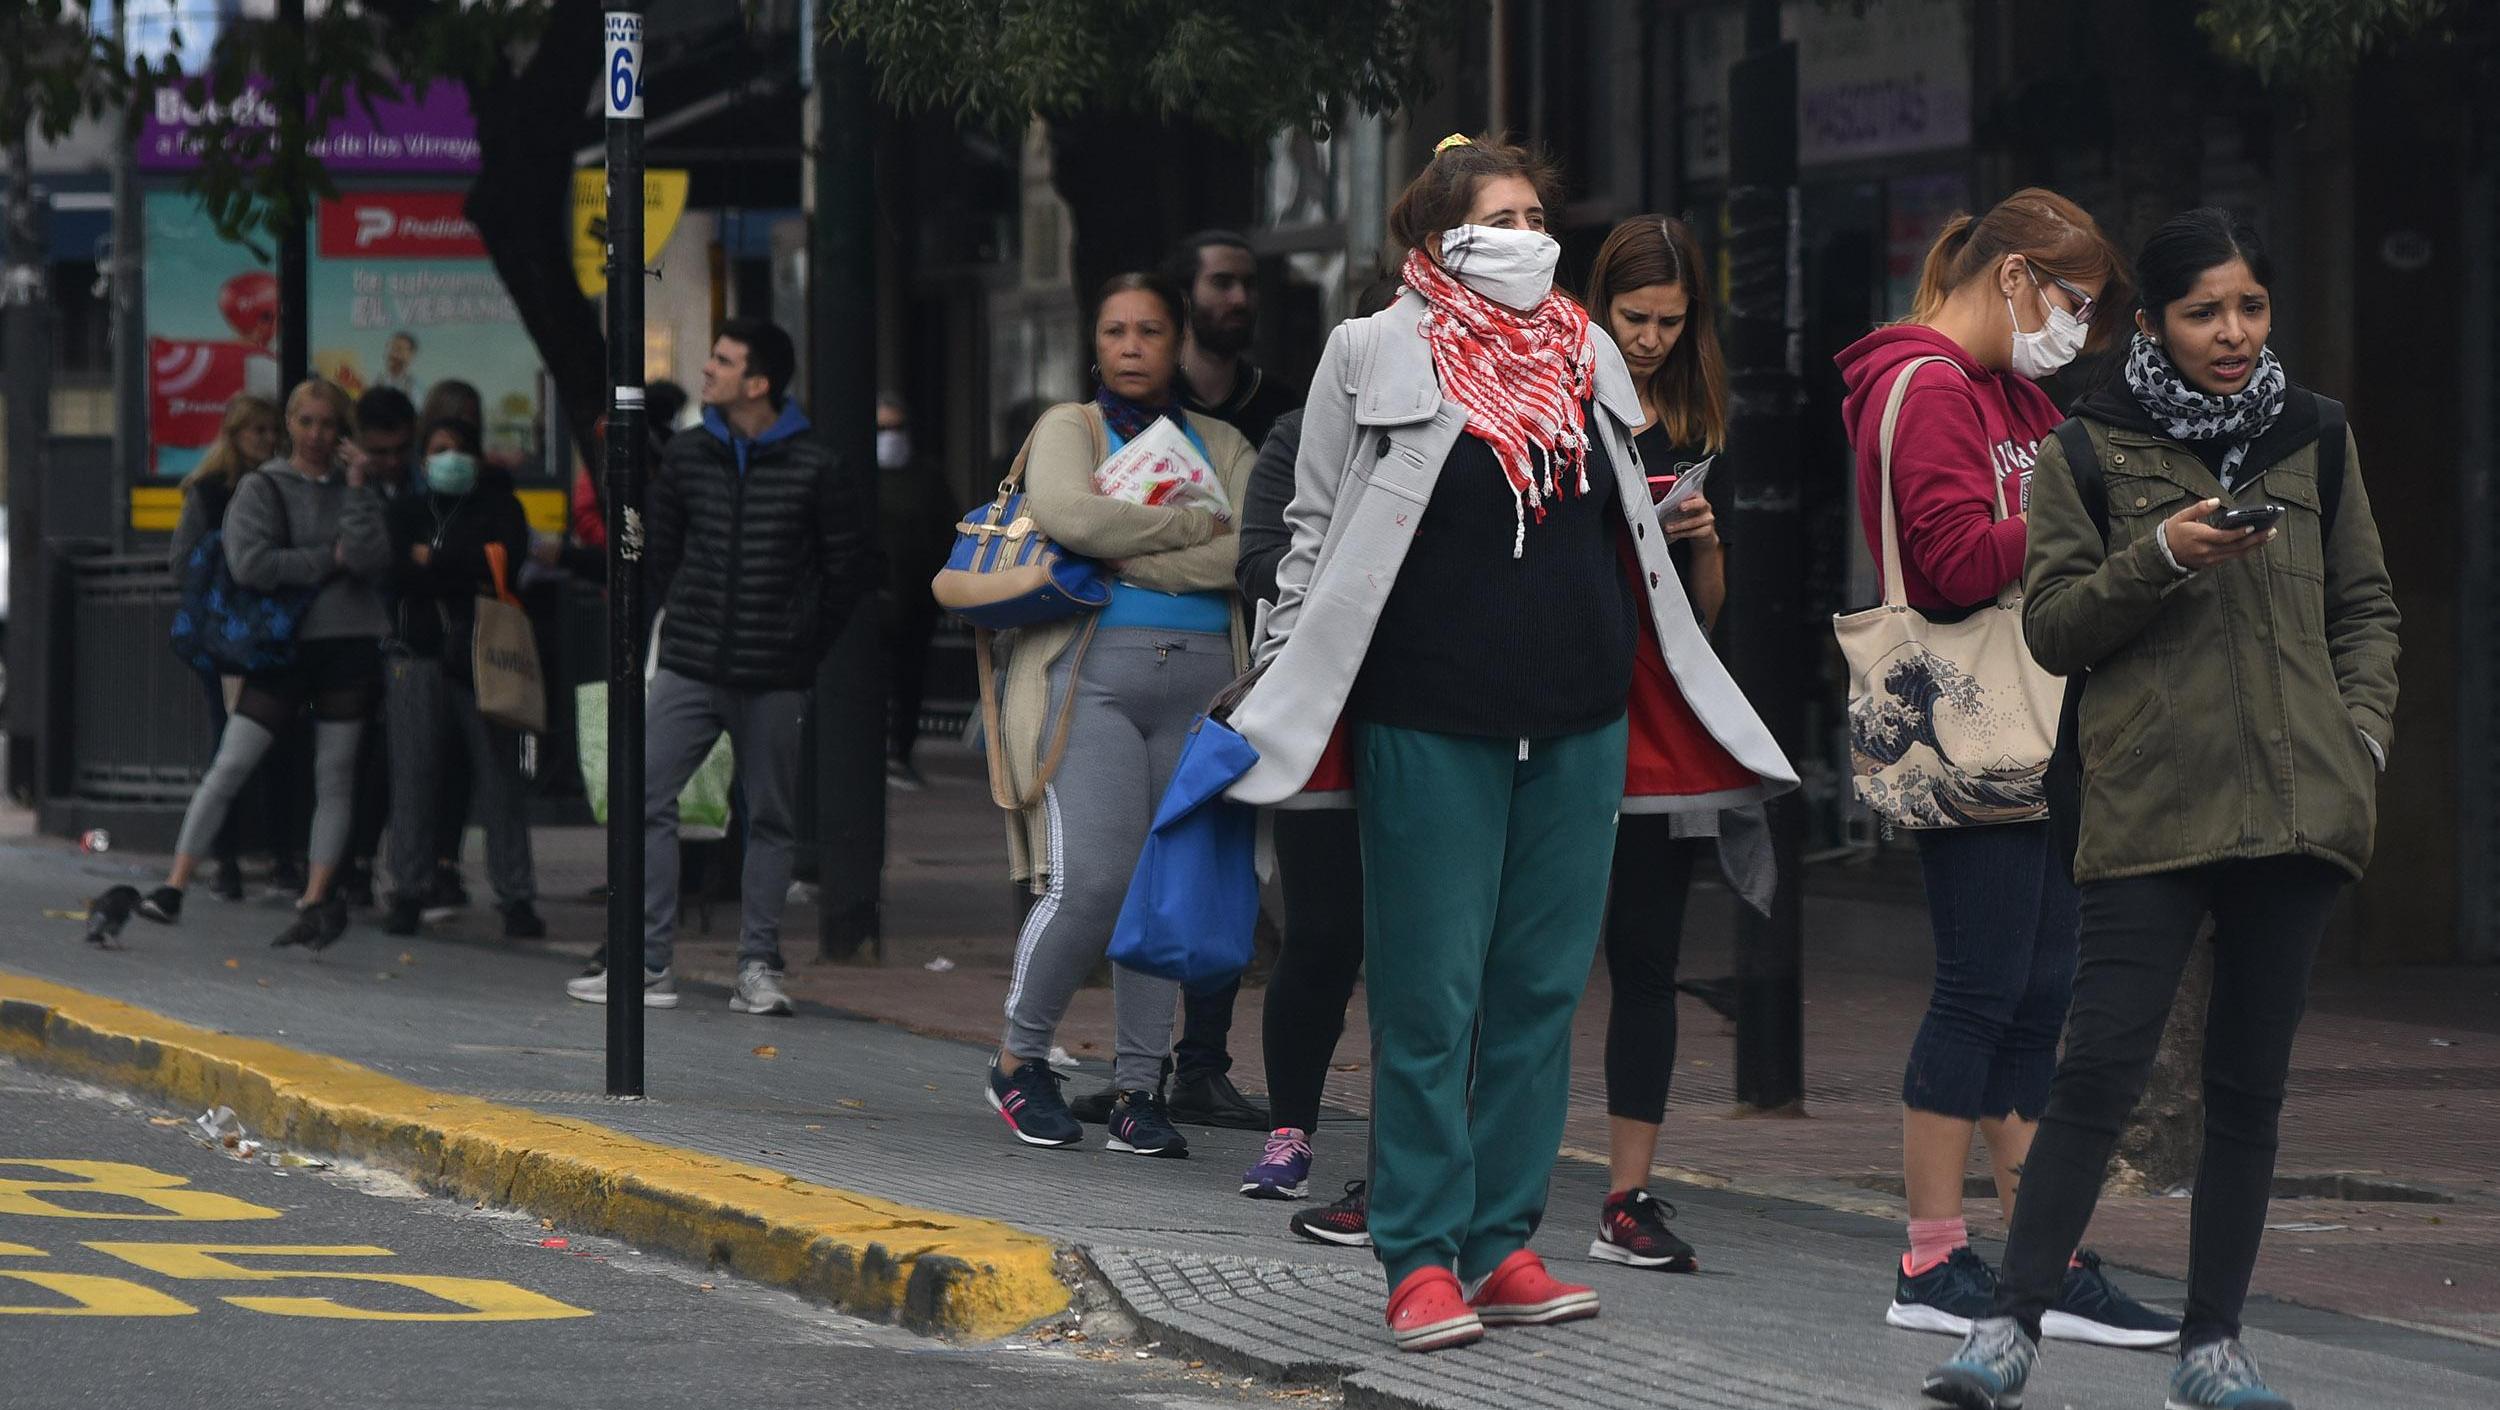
1787 1312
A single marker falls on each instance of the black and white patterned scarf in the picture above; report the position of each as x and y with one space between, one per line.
2186 414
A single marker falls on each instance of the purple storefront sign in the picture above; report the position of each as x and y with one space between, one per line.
432 134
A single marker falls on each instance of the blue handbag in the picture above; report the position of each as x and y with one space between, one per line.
1005 573
1192 911
228 629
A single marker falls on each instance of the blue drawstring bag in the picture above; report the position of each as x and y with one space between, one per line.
1192 912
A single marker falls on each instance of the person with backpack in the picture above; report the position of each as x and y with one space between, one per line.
444 526
246 439
1945 406
2204 558
305 542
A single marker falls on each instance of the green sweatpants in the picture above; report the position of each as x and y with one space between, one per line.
1484 888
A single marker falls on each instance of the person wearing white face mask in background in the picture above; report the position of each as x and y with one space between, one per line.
453 510
1473 552
919 530
2005 299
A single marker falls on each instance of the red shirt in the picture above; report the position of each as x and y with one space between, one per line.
1963 430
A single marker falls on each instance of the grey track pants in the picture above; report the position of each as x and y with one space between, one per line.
420 701
684 720
1133 705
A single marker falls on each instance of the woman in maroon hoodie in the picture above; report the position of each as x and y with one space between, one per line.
2004 300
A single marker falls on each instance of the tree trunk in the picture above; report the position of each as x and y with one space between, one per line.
2159 72
522 206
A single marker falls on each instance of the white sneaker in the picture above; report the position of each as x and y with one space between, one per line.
659 988
758 991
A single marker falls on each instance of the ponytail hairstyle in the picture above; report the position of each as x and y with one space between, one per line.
1690 387
1440 196
2175 256
2056 236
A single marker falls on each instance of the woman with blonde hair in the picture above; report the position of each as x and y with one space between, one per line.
246 440
307 521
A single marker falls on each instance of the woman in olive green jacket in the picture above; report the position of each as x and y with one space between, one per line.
2240 695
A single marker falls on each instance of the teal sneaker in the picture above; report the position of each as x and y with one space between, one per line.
1990 1370
2220 1375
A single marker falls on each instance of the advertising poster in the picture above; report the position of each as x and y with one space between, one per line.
212 330
401 294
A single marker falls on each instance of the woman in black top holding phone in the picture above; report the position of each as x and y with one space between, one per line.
1646 290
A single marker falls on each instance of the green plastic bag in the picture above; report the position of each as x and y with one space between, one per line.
702 810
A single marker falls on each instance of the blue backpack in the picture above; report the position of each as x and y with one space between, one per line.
227 628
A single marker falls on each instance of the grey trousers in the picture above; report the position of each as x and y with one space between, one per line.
1133 705
684 720
420 700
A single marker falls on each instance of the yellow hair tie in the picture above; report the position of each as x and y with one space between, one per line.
1455 139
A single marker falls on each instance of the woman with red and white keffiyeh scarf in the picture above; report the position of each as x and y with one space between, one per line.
1475 560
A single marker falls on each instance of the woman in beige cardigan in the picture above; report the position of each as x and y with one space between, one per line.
1129 682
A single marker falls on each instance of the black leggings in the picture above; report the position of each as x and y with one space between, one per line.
1319 858
2268 917
1645 903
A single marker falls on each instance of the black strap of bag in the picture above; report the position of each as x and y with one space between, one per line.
2064 781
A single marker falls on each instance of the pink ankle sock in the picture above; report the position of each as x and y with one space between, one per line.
1932 1241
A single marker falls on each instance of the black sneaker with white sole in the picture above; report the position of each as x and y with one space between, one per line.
1947 1298
2090 1308
1346 1223
1030 1104
162 905
1140 1127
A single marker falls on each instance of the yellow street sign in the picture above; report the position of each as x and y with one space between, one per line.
663 201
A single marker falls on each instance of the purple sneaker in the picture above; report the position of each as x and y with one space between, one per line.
1284 1169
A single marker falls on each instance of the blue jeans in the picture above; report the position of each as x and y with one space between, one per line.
2006 927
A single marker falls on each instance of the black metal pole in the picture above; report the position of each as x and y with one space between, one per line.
1765 603
851 697
26 349
622 70
294 311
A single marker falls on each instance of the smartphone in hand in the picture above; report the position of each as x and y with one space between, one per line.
2251 516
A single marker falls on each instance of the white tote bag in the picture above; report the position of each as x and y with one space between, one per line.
1950 723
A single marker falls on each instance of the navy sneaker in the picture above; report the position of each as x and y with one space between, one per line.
1346 1223
1284 1168
1633 1231
2219 1375
1947 1298
1031 1104
1139 1127
2090 1308
1990 1370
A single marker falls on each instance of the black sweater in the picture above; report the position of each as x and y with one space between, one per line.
1476 642
435 614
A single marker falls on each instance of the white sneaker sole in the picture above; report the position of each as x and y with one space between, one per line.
999 1107
1260 1189
2066 1326
782 1007
1332 1237
1605 1252
1919 1317
1173 1152
649 999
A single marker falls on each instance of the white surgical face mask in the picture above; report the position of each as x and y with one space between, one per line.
1513 268
893 449
2037 355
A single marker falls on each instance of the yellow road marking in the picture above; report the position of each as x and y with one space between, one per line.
166 1193
484 1299
94 1296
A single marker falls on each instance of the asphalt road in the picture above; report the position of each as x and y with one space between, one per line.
125 1282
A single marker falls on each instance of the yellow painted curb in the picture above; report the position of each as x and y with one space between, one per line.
932 1272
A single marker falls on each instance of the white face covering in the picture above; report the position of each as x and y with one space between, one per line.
1513 268
2037 355
893 449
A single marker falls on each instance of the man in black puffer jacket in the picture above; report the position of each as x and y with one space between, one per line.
758 547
